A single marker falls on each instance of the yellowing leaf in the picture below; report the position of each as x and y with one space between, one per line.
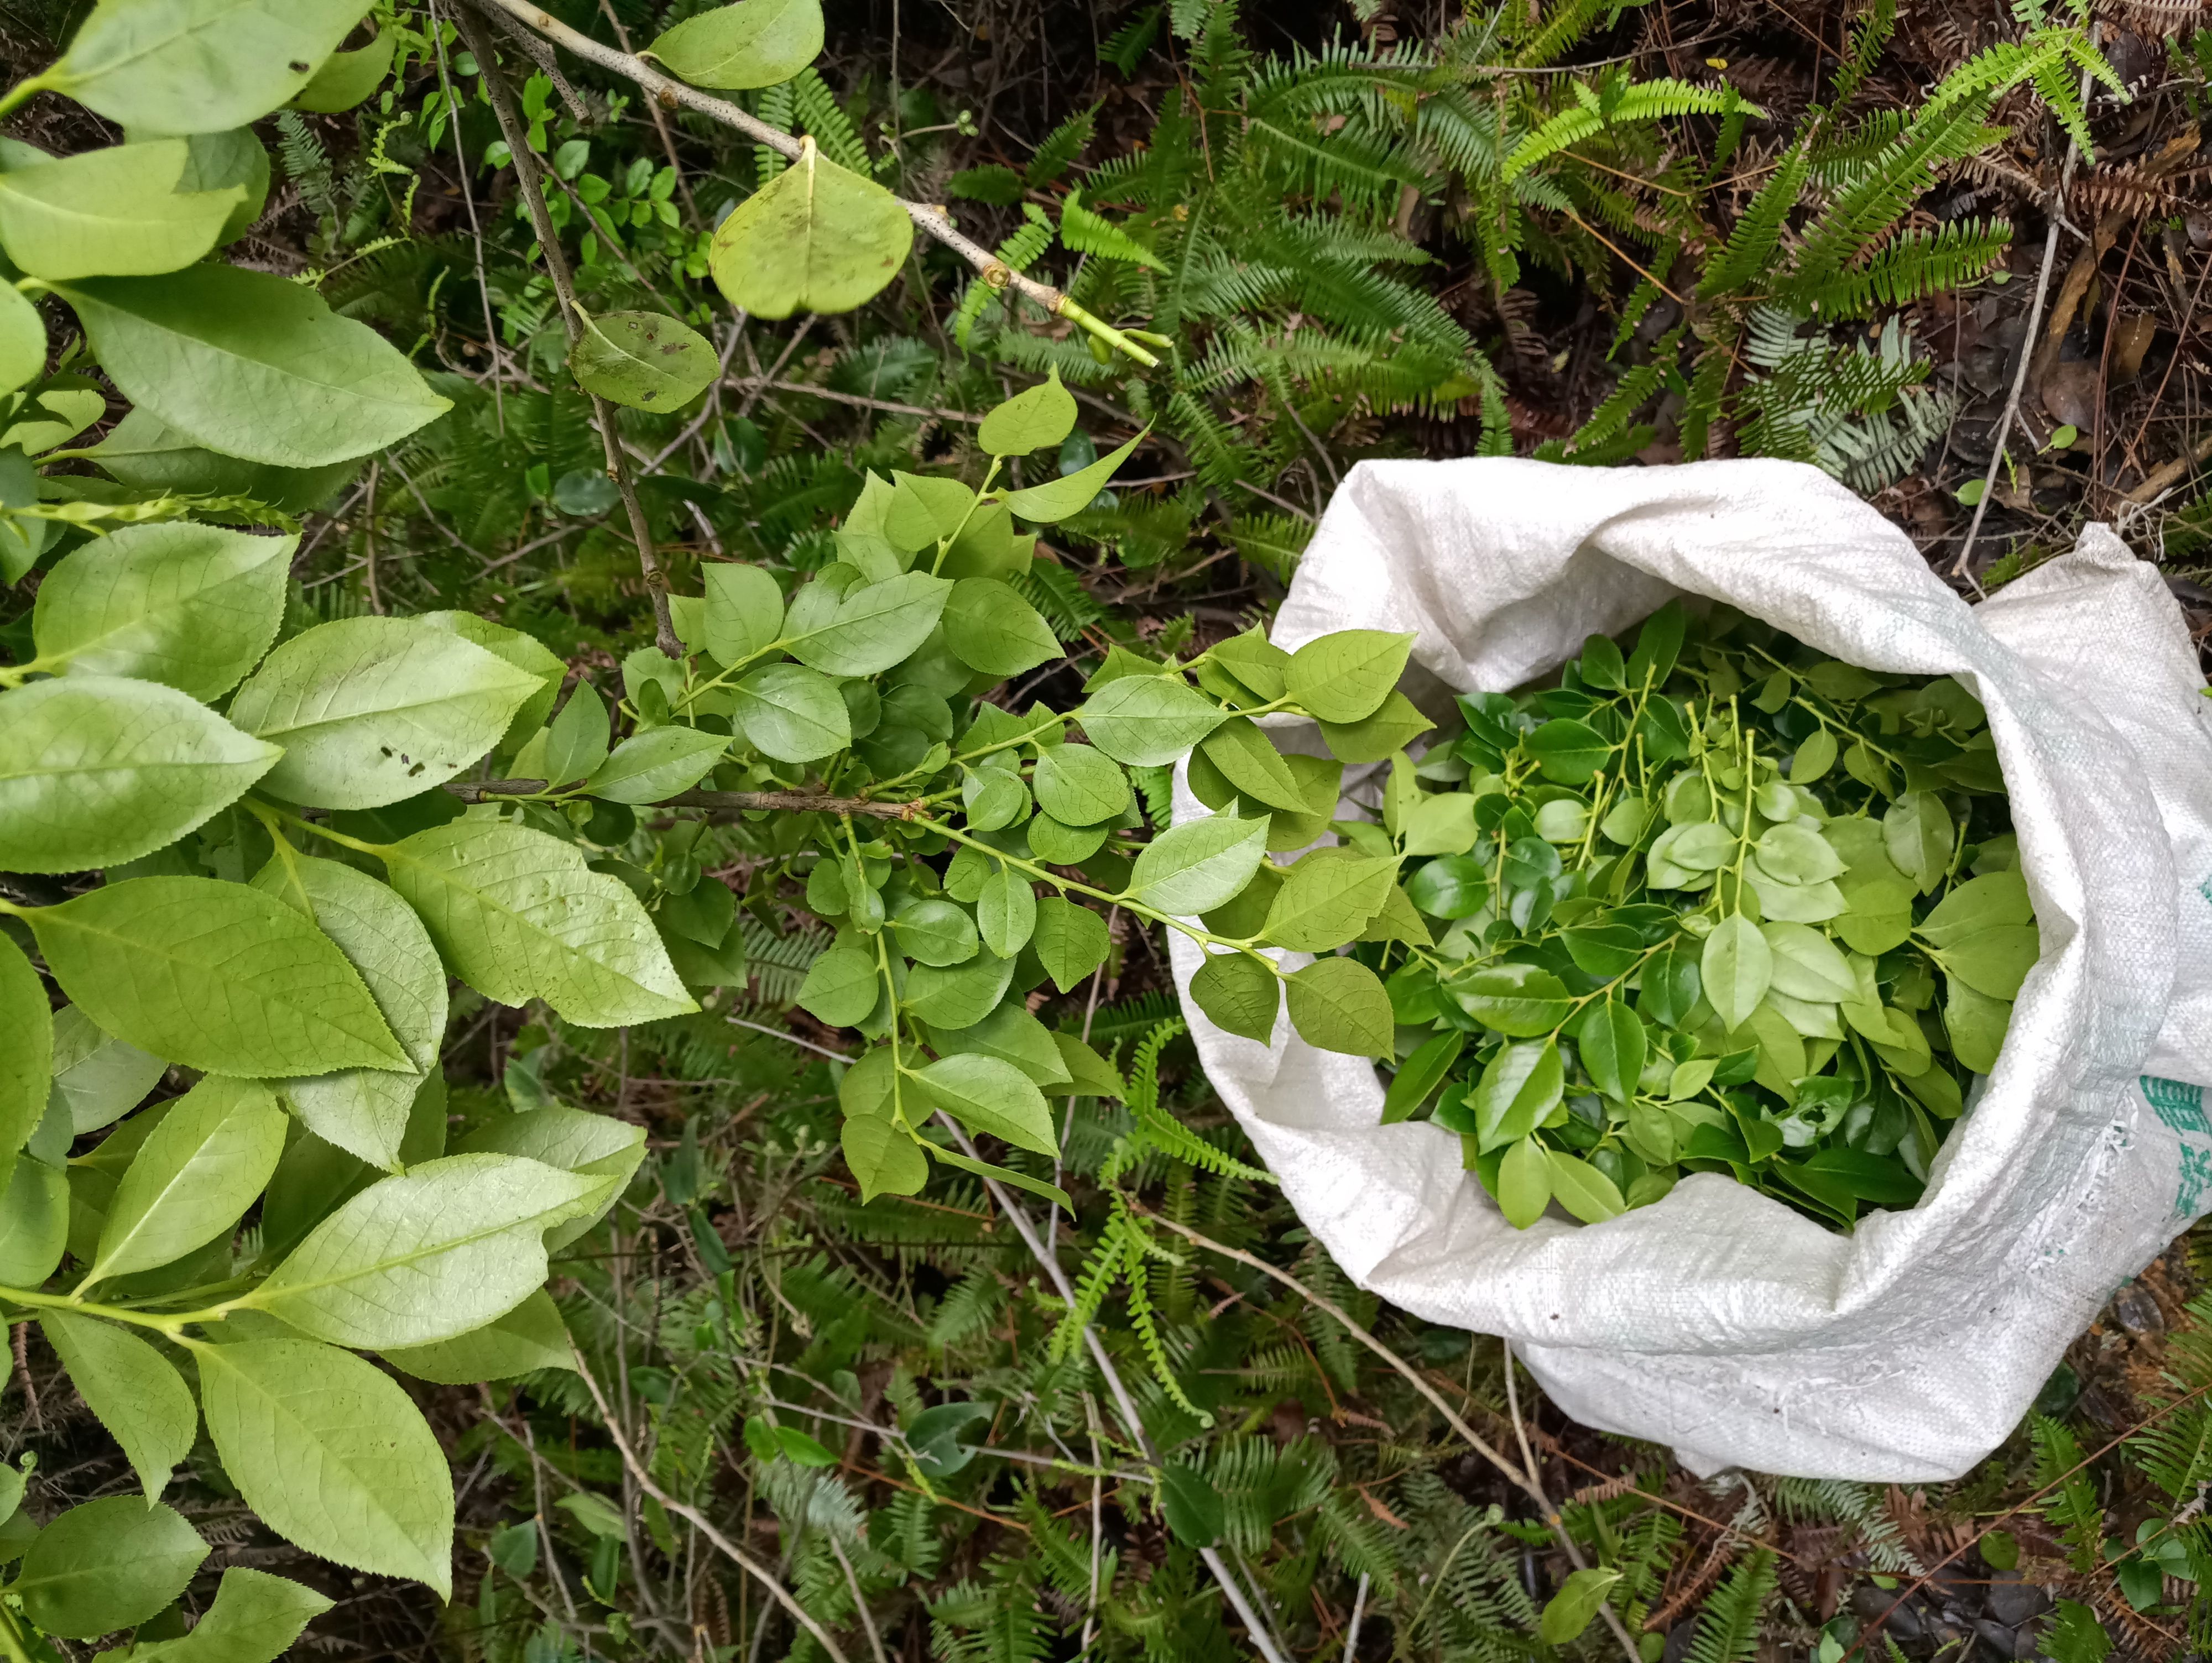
814 238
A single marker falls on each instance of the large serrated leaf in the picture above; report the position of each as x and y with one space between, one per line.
251 365
381 1499
371 710
216 977
518 915
96 770
445 1246
191 606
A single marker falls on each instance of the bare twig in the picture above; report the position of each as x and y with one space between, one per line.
542 55
572 315
931 220
698 1521
726 802
1959 566
801 389
859 1599
475 231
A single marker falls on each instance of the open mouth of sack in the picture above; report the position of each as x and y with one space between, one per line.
1710 901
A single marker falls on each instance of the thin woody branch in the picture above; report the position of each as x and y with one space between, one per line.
933 220
723 802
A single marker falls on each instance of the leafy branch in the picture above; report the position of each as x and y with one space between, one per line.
996 274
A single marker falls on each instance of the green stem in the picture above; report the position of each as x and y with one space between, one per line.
945 543
11 1640
169 1323
273 818
1105 331
23 91
1250 946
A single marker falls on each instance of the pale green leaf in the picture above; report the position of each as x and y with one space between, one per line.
98 1079
874 627
365 1111
1005 912
1993 962
791 713
97 770
1328 899
194 1177
137 1394
990 1096
532 1336
1070 494
347 79
1239 993
991 628
1148 721
34 1217
841 987
885 1159
1736 967
252 365
144 451
657 763
1032 419
1584 1190
643 360
370 710
22 339
192 606
1916 832
1339 1004
1343 677
216 977
199 66
814 238
445 1246
1987 902
381 1499
1520 1085
755 43
1524 1183
745 611
1079 785
1196 867
105 1565
599 1147
1807 965
576 739
525 652
116 212
1070 941
254 1620
1581 1596
518 915
26 1051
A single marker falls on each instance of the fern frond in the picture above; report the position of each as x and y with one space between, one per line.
1750 245
1057 151
1728 1630
2073 1505
1915 264
1869 36
817 112
1086 233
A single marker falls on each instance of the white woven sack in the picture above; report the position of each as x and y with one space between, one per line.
1719 1321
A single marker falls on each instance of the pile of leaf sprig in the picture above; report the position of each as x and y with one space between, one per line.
1716 904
